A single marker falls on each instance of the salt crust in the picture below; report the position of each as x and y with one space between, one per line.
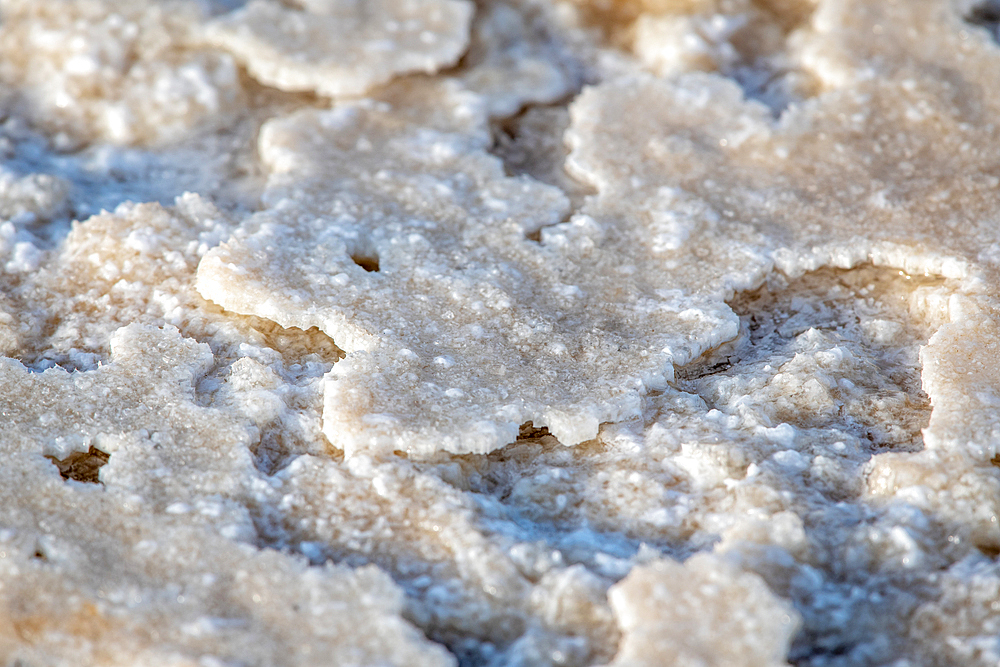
448 339
340 47
817 189
759 453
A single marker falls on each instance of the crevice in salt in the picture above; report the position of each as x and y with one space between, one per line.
293 343
527 431
986 15
300 358
217 7
834 350
81 466
435 568
531 144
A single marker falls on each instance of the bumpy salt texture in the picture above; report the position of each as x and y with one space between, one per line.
292 431
125 72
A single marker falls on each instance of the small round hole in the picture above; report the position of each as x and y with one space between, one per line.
366 262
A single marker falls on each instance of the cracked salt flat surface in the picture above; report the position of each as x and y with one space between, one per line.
817 486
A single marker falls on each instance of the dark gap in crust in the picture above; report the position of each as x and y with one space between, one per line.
367 262
81 466
986 14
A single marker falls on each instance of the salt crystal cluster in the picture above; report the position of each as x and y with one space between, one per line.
507 332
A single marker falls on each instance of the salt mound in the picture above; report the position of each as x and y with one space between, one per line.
673 614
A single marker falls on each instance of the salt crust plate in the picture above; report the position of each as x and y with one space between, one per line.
467 328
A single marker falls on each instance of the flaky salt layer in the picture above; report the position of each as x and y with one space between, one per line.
749 627
75 591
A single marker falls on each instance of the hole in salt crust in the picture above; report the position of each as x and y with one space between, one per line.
81 466
367 262
986 15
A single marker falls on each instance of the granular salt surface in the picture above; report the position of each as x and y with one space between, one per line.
507 332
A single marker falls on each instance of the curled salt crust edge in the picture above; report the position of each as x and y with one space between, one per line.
341 47
468 328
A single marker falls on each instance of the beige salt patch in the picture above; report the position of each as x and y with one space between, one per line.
851 42
834 183
122 72
518 57
954 487
121 407
962 376
208 603
702 612
467 328
338 47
